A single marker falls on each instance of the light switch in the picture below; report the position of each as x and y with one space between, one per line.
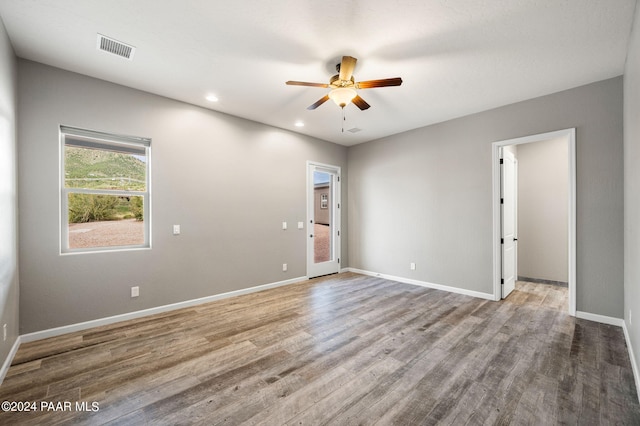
284 225
176 229
300 225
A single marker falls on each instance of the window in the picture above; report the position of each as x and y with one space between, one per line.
324 201
105 195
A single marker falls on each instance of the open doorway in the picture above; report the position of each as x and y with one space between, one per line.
534 216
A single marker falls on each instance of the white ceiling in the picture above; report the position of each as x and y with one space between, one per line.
456 57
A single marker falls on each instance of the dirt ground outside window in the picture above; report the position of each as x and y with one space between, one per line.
110 233
322 243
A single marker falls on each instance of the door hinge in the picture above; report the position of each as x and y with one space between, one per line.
338 178
338 205
501 161
501 200
502 281
338 233
338 260
501 240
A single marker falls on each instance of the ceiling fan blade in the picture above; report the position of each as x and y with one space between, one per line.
347 66
319 102
360 103
304 83
385 82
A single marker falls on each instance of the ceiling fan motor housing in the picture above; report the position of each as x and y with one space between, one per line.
335 82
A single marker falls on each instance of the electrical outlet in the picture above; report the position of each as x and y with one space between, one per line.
284 226
135 291
412 266
4 332
284 267
176 229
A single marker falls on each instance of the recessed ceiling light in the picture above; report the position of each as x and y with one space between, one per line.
211 98
299 124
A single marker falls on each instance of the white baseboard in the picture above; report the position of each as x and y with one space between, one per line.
52 332
632 358
9 359
600 318
472 293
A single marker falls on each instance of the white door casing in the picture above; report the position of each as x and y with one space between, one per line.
323 232
570 135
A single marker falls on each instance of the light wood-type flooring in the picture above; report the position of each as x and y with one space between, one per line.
345 349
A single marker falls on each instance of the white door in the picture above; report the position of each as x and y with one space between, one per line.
323 219
508 201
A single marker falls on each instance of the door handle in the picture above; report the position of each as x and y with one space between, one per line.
311 236
515 239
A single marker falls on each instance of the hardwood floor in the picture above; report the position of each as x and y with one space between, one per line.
345 349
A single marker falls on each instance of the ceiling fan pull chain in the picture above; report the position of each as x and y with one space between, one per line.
343 119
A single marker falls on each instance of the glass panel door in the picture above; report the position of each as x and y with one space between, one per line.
323 220
322 189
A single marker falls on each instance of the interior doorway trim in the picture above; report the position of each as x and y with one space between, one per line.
570 135
331 265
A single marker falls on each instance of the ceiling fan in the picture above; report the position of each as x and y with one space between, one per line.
344 86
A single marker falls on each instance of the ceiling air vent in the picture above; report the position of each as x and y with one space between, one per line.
115 47
354 130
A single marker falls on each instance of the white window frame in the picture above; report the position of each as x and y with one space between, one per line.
90 137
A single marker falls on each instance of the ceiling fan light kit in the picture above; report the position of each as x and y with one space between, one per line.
342 96
344 86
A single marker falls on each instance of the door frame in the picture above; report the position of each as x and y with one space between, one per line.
336 202
570 135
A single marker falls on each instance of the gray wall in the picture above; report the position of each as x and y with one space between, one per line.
8 199
424 196
229 182
632 189
543 193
